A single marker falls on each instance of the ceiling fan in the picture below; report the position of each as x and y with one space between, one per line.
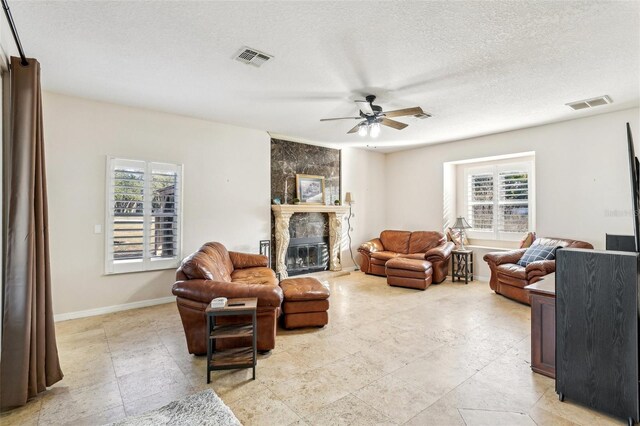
373 116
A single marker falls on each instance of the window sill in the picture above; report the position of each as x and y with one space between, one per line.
472 246
139 272
136 268
487 243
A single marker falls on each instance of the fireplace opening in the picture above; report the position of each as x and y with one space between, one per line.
306 255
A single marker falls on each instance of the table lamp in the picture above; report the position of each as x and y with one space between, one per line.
461 224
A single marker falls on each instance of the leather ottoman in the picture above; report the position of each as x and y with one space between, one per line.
411 273
306 302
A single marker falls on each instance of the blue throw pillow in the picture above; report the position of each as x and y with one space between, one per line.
537 252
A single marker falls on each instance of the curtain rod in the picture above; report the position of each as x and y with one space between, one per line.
12 25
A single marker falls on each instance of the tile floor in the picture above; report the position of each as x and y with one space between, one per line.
454 354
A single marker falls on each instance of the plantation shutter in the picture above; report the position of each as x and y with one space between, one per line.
513 202
126 226
498 200
480 201
163 237
143 215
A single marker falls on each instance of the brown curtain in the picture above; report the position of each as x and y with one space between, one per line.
29 360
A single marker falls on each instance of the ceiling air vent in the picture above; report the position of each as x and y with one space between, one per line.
253 57
590 103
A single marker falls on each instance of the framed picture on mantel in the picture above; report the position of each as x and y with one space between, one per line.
310 189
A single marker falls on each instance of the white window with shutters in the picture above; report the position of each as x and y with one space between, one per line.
143 226
499 200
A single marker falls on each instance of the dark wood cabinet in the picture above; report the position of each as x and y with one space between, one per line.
543 326
597 330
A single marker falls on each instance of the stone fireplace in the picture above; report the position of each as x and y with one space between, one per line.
306 237
307 250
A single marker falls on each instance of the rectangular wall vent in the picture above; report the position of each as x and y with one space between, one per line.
590 103
250 56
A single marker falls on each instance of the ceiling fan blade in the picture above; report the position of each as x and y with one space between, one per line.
340 118
403 112
355 128
365 107
393 123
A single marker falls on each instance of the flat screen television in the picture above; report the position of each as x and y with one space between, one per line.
634 170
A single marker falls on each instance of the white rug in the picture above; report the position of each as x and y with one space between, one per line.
202 408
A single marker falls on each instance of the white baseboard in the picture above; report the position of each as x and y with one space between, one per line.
114 308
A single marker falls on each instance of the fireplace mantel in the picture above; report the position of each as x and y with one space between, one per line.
282 214
308 208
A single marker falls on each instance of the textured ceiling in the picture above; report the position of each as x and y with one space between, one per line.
478 67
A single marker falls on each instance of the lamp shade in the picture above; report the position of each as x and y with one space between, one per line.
461 223
348 198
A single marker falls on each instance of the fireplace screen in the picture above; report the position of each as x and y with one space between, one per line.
307 257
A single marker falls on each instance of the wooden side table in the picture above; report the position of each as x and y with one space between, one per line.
243 357
543 325
462 265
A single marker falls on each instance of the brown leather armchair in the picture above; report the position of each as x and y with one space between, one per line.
429 245
509 279
213 272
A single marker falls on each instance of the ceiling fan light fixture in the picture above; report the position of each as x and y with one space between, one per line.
371 117
375 130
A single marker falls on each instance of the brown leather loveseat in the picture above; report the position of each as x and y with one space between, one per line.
509 279
213 272
429 245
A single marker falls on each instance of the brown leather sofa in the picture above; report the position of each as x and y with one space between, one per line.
213 272
509 279
428 245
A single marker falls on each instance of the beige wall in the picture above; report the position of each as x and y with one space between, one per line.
226 191
363 174
581 176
